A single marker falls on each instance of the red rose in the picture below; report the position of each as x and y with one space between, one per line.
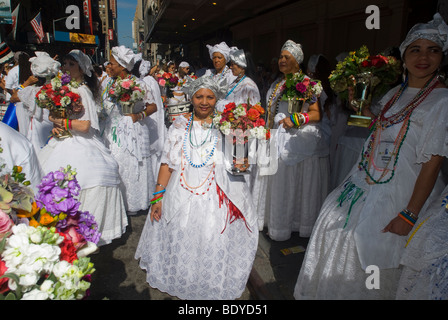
68 250
125 97
253 114
4 281
260 122
378 61
229 107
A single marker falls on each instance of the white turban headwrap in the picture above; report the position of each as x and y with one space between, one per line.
124 56
435 30
295 49
83 60
238 57
222 48
205 82
144 68
43 66
184 64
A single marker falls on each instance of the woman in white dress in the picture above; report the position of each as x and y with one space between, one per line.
97 170
364 222
220 55
201 237
43 67
156 121
296 191
425 258
127 134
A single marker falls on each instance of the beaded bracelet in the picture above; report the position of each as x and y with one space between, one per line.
407 218
411 214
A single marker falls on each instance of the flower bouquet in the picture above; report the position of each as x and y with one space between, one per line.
60 98
300 89
43 249
369 76
242 122
168 81
126 92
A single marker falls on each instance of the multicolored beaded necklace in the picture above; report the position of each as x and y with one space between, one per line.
382 122
186 158
274 96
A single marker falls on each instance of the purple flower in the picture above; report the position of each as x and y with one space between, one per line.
65 78
69 206
73 187
58 175
59 194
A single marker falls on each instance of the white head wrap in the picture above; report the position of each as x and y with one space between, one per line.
83 60
435 30
222 48
144 68
124 56
42 65
205 82
184 64
238 57
295 49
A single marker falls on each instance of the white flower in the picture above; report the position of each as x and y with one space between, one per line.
317 89
35 294
225 127
239 111
42 96
258 133
217 120
65 101
56 83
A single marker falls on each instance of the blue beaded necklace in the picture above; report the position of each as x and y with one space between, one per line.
184 148
230 92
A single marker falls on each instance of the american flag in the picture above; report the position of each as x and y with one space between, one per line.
37 26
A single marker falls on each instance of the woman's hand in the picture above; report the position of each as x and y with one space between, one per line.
287 123
30 81
398 226
14 96
156 211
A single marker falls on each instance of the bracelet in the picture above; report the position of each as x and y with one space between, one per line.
156 199
407 218
307 117
156 193
66 124
411 214
161 185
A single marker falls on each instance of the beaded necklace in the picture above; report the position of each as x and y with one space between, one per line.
272 97
187 156
382 122
230 92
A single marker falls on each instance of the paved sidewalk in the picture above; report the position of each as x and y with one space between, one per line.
119 277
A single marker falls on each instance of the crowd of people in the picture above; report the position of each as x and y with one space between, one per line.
357 208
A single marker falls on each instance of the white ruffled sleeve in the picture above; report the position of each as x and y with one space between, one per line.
433 139
90 107
172 151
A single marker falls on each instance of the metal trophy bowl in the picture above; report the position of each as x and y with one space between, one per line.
127 108
362 97
295 105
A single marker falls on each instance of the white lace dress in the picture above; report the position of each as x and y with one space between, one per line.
131 146
425 259
194 251
348 234
97 172
297 189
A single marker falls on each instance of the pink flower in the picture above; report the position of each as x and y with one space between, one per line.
5 224
162 82
300 87
126 84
